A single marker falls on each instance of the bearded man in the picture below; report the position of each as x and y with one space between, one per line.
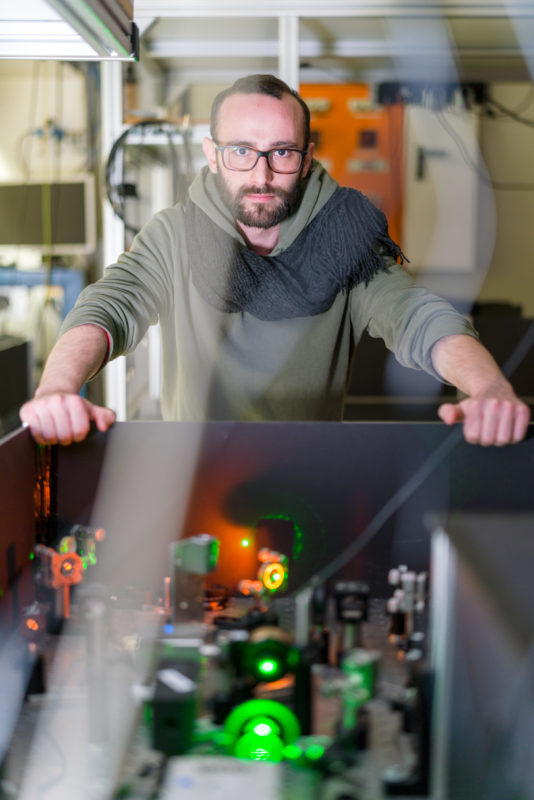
263 283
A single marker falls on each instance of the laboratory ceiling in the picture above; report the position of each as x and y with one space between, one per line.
342 41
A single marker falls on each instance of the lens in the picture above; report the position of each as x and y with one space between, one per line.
284 160
240 158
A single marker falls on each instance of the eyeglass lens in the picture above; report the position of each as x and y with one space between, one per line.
245 158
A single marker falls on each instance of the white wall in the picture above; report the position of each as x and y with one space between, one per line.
31 93
508 149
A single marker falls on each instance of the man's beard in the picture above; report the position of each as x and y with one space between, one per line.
261 216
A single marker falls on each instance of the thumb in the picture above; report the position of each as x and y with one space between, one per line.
451 413
103 417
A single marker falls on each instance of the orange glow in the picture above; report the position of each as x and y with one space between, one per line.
249 587
32 624
275 686
100 534
66 569
265 555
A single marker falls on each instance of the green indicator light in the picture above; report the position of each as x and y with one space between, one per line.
292 752
245 542
32 556
314 752
259 754
259 748
259 710
293 658
147 715
267 667
262 729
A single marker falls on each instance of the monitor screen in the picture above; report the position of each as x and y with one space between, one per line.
57 217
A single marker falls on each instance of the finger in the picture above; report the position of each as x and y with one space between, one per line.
63 410
78 416
30 419
42 425
473 419
103 417
491 410
450 413
504 433
521 422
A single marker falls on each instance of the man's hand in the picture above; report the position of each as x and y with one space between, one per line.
63 418
489 420
58 414
491 412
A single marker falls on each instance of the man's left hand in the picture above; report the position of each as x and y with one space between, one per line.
489 420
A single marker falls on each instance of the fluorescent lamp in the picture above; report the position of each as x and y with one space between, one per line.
68 30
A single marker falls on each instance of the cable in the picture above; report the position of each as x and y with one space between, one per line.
466 157
393 504
526 102
180 179
509 113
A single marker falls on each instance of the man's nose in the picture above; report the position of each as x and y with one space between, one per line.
262 170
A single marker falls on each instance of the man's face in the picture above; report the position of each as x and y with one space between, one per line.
259 198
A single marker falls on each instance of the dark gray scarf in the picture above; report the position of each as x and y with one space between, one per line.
340 248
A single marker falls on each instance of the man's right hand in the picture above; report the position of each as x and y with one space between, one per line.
63 418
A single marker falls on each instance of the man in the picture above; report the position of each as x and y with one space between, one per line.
263 284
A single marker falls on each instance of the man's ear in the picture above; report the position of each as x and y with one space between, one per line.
308 159
210 151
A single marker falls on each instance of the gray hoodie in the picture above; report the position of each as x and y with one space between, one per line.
233 366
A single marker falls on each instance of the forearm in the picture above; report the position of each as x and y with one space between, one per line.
465 362
77 355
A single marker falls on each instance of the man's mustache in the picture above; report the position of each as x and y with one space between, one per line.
261 190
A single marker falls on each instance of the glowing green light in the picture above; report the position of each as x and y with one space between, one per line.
32 556
241 721
245 542
314 752
262 729
259 754
267 667
292 752
267 747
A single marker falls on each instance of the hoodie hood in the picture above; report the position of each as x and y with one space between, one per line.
318 187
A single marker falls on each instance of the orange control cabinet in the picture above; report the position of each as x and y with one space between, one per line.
360 143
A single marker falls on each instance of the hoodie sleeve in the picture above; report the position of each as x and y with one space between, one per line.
135 291
407 317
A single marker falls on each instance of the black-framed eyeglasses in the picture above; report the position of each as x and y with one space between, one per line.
242 158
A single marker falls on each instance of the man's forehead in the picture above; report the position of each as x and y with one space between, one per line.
239 108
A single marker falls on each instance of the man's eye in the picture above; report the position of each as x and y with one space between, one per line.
241 151
282 153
